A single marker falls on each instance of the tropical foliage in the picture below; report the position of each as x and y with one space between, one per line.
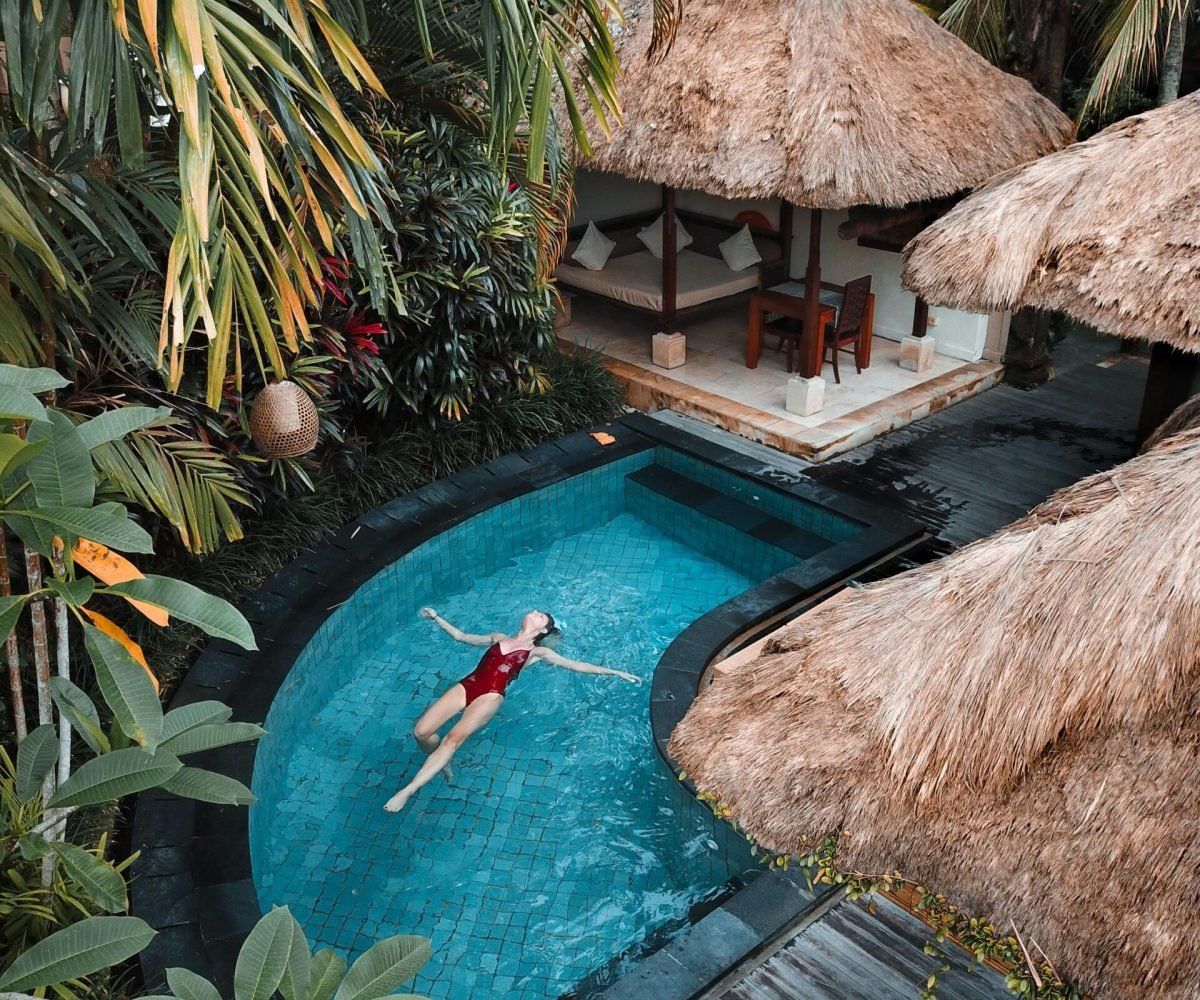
1108 50
275 958
48 499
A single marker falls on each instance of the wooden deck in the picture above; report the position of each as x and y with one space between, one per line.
853 954
980 465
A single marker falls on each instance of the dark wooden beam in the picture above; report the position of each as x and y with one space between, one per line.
872 220
1170 382
669 263
787 227
920 317
813 339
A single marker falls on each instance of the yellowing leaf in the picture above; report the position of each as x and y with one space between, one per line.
603 438
114 631
109 567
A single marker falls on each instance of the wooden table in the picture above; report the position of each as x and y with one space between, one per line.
791 306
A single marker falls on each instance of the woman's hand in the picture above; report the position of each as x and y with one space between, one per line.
633 679
427 613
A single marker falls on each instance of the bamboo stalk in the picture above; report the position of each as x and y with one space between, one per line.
41 663
62 655
16 690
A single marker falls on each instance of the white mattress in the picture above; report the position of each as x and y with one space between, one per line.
636 279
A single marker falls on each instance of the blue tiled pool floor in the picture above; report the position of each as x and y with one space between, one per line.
562 840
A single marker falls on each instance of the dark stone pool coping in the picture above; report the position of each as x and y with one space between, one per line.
192 881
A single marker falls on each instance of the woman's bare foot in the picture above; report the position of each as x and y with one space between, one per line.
397 801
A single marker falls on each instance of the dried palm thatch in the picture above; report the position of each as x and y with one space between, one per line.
827 103
1107 230
1017 724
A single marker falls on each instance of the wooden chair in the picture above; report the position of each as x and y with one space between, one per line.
850 325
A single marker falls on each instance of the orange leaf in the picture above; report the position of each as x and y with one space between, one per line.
112 629
603 438
109 567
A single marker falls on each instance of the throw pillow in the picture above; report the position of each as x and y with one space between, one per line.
593 249
739 250
652 236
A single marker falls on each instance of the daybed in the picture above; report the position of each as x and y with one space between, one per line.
634 277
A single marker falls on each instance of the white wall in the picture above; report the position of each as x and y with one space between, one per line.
606 196
956 334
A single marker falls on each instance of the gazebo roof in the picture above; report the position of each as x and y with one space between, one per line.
827 103
1107 230
1017 725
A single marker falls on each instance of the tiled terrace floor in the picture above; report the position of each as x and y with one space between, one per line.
716 386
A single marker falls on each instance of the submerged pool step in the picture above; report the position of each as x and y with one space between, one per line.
728 510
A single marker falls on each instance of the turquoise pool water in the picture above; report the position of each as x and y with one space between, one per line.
562 841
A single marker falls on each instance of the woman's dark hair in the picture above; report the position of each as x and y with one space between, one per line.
550 629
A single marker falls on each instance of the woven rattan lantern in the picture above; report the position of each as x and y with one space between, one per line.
283 421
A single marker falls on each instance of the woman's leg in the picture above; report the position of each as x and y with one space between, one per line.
476 716
425 732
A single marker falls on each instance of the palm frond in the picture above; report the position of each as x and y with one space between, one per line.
983 24
187 482
1129 43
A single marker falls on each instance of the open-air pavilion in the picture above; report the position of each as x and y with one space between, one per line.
1105 230
1015 725
777 114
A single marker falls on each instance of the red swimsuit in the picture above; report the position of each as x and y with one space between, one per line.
495 672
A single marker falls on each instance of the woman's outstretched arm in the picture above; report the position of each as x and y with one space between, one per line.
542 653
457 634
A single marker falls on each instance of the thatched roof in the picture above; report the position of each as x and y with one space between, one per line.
1017 725
1107 230
828 103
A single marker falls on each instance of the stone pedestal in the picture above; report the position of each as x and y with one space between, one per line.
670 350
805 396
916 353
562 315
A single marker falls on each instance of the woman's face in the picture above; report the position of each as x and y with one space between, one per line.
535 621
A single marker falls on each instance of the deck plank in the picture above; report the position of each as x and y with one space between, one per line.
853 954
971 469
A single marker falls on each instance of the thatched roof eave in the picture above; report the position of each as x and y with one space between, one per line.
827 103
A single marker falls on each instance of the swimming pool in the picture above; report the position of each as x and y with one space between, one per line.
563 839
318 621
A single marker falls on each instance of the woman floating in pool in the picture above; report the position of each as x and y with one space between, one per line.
479 695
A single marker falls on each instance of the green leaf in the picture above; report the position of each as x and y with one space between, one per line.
218 618
294 985
264 957
384 966
126 687
115 424
108 524
114 775
36 756
75 592
61 473
326 974
200 713
33 847
208 737
30 379
79 950
19 404
78 707
103 884
208 786
10 613
14 452
186 985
